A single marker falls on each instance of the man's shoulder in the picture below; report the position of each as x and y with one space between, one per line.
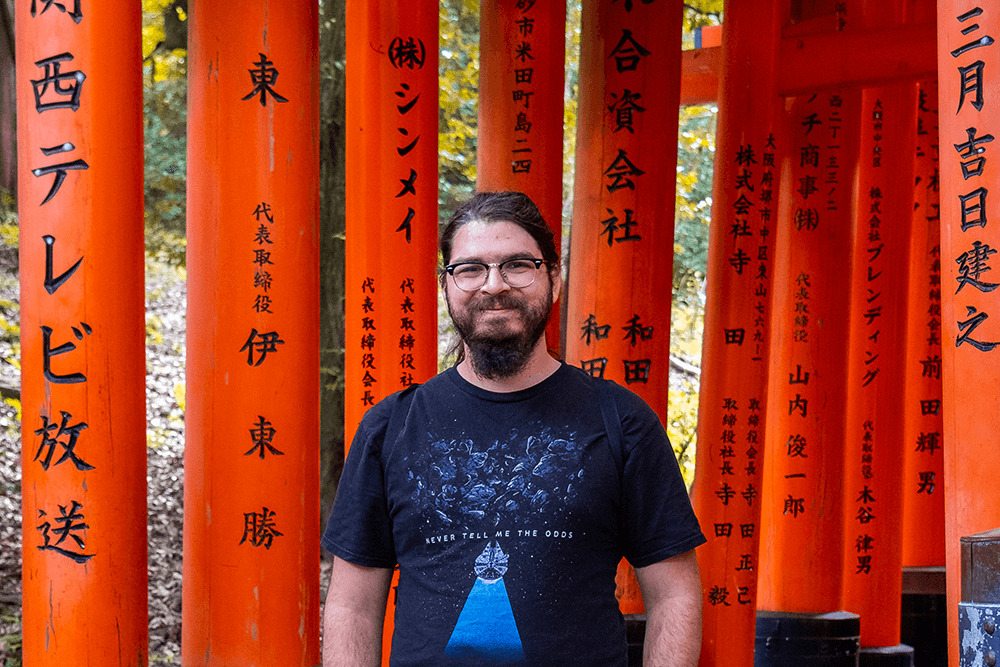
382 412
378 416
634 414
626 400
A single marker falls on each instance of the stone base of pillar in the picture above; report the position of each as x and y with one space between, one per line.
790 639
887 656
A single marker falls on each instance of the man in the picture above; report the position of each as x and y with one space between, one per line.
506 491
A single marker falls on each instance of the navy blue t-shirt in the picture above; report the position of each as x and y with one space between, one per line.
507 514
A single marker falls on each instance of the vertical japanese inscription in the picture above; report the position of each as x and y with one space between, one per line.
523 88
262 344
623 179
59 89
972 202
972 266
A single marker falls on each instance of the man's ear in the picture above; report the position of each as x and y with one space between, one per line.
555 277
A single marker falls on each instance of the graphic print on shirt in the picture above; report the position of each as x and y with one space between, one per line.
486 626
467 484
464 485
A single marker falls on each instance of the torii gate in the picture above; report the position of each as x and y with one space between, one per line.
251 534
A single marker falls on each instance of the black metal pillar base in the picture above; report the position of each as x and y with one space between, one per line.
925 628
789 639
887 656
635 635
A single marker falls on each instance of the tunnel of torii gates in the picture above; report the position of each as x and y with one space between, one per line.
848 382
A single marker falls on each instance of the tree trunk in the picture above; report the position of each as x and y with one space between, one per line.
8 127
332 168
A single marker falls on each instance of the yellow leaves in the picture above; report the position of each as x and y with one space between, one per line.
152 35
167 64
459 89
171 65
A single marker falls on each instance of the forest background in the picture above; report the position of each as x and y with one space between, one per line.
164 64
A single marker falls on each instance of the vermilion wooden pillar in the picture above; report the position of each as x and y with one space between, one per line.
251 496
618 315
731 419
83 459
801 501
391 250
873 483
923 473
969 109
521 73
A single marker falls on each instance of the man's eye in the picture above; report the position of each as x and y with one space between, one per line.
519 266
468 270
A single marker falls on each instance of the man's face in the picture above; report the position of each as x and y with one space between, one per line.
499 324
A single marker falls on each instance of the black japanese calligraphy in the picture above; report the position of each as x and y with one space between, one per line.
263 76
71 524
62 88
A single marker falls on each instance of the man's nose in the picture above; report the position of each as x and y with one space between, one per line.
494 281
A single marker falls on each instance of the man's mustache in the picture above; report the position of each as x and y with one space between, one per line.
494 302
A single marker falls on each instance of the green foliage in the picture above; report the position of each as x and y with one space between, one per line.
458 100
10 644
165 109
695 160
574 18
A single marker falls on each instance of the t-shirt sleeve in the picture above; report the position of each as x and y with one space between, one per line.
657 517
359 529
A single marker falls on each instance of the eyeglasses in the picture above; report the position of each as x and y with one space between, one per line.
470 276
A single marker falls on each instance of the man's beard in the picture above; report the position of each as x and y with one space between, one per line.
497 355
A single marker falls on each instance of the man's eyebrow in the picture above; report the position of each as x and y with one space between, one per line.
502 258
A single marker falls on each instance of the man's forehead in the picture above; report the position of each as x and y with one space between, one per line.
493 240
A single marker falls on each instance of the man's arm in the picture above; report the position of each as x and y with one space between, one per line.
354 615
671 591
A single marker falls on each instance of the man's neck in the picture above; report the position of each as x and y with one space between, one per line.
540 366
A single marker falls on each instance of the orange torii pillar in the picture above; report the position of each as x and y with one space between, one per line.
802 496
392 128
521 73
733 397
969 105
83 457
923 472
618 313
251 463
873 461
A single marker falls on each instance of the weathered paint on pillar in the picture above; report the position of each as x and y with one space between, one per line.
618 314
83 457
733 397
969 109
873 483
251 496
923 472
521 74
802 496
391 250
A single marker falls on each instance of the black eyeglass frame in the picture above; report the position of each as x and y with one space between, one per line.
450 270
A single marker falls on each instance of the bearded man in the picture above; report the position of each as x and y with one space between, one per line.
508 487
